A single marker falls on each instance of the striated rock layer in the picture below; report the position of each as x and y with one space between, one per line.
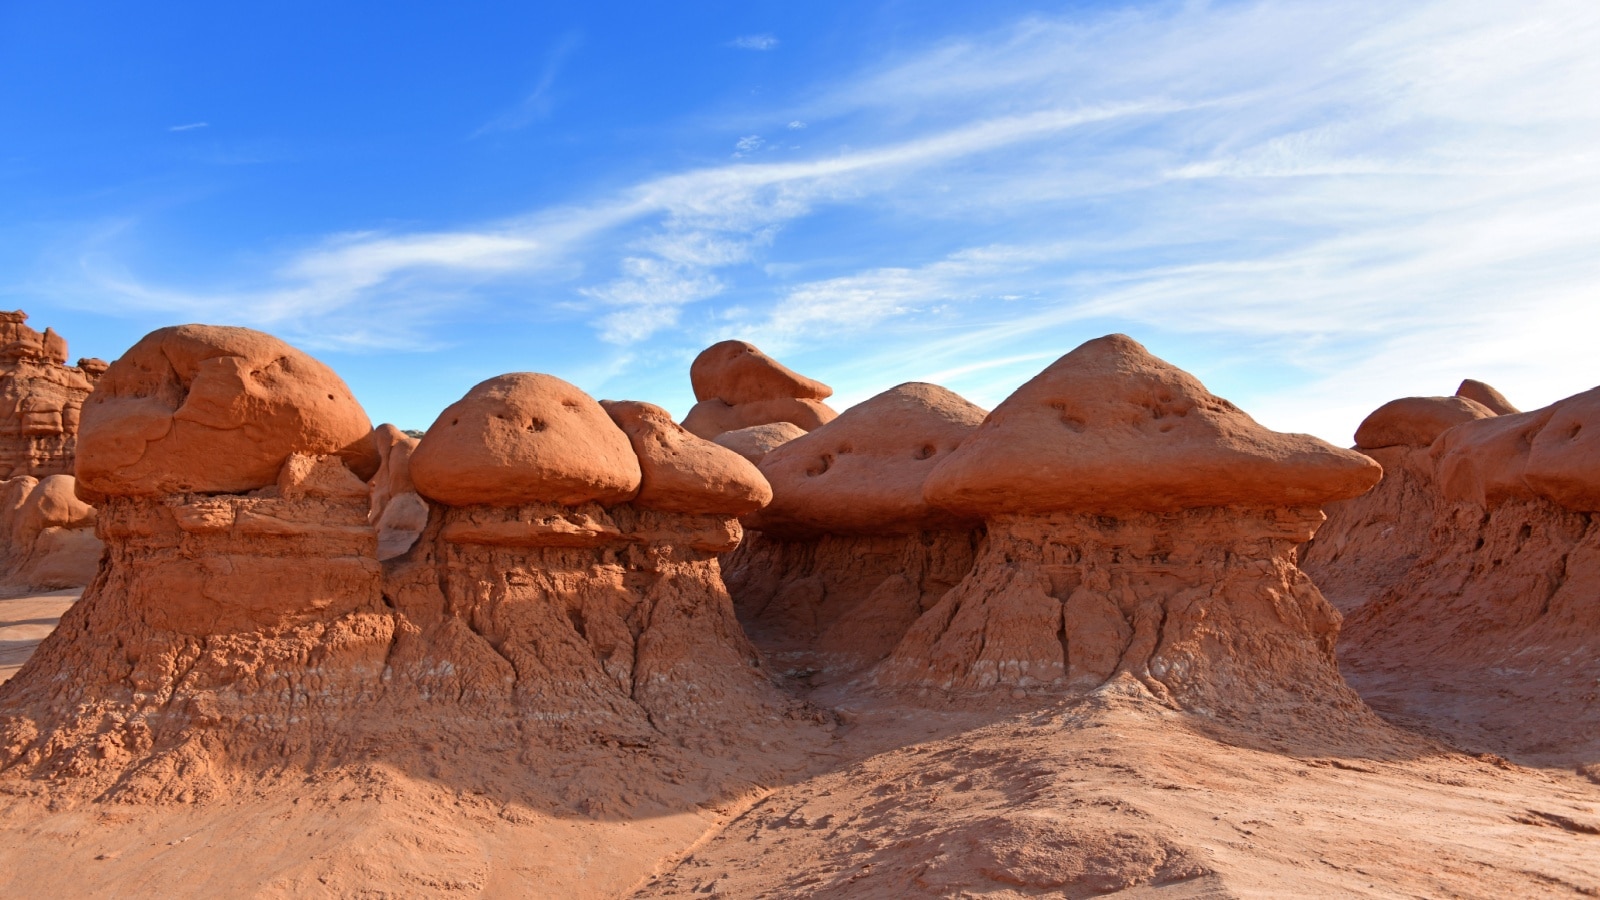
1204 607
41 399
828 606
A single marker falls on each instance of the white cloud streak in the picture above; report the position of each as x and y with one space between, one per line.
754 42
1377 199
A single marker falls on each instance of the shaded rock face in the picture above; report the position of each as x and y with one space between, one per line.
1152 535
213 409
41 399
1204 607
829 606
848 554
613 621
1473 571
395 509
738 386
47 534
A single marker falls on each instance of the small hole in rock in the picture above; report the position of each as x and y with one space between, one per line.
926 450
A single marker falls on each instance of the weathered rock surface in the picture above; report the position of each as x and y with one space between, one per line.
233 637
1416 421
213 409
1108 427
1486 395
755 442
47 536
736 372
738 386
521 438
684 473
1152 536
395 509
1470 578
831 605
863 472
41 399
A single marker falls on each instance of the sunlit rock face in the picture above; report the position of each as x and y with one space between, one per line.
41 399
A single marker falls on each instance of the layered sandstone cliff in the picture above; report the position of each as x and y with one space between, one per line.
41 399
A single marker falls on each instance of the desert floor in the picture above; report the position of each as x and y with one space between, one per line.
1109 794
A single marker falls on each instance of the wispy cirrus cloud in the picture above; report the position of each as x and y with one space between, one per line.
1372 197
191 126
754 42
537 103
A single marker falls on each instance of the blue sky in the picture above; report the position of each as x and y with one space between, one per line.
1314 207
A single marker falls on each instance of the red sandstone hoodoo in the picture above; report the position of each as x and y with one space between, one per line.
849 554
738 386
1471 575
560 606
1137 526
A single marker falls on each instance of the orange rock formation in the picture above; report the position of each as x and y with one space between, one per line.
1474 571
41 398
1138 526
738 386
848 554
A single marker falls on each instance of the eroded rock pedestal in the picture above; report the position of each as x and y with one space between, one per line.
1137 526
1204 607
848 554
1471 576
563 653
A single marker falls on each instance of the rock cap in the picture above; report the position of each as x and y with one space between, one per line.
736 372
684 473
520 438
1416 421
214 409
1109 428
864 471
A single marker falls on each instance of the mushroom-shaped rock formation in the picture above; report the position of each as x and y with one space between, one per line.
1486 395
755 442
396 510
575 581
41 399
683 473
1111 428
221 625
213 409
46 534
738 386
1416 421
522 438
1138 528
1470 577
849 553
233 636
